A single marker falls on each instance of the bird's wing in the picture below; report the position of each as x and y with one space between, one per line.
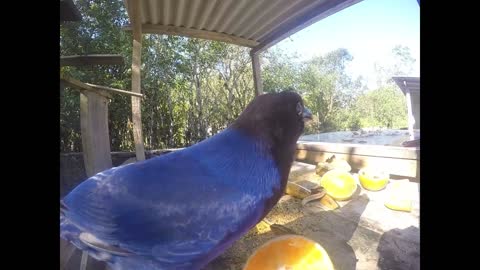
172 208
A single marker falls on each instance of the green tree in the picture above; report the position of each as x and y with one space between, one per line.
400 64
281 71
382 107
98 32
328 90
193 88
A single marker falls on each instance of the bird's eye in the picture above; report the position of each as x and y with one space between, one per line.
299 108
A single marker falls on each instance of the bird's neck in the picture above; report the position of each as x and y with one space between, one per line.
280 151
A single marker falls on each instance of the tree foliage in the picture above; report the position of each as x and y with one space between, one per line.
195 88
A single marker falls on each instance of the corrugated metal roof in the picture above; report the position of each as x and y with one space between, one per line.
410 83
254 23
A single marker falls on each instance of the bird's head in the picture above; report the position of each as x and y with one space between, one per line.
278 118
276 121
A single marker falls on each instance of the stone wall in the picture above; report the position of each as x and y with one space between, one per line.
72 168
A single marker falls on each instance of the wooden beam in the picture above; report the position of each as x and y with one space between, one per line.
195 33
93 87
78 85
399 161
401 167
94 128
257 73
135 8
359 149
92 59
114 90
324 10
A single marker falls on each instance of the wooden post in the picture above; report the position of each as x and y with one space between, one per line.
94 127
136 79
411 118
257 76
95 138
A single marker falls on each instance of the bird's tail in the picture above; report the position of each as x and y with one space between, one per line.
116 258
73 234
68 230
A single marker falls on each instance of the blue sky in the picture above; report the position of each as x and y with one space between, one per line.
369 30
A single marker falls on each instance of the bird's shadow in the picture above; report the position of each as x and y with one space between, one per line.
399 249
334 229
331 229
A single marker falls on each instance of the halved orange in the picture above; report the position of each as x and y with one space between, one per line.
289 252
339 184
373 179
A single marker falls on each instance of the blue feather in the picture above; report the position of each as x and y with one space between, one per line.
178 210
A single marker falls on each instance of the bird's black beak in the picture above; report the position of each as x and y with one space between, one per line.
307 114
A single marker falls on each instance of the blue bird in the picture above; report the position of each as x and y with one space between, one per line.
183 209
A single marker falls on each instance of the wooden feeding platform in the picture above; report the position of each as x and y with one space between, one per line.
360 235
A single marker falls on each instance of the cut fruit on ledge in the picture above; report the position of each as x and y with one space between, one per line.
293 252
